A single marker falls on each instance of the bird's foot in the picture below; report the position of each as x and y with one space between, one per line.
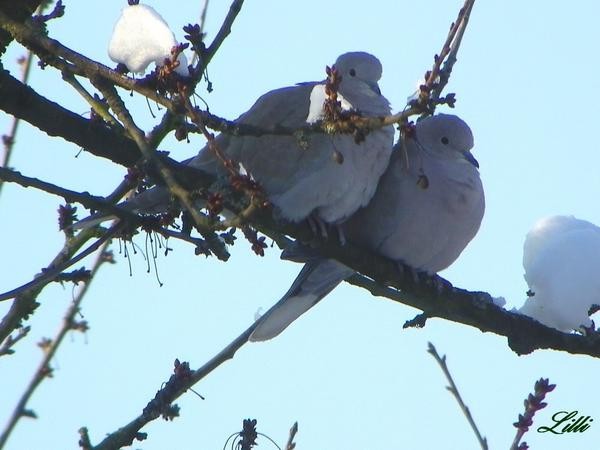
340 232
439 284
318 226
409 272
323 229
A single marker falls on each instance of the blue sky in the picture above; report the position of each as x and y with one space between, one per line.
347 371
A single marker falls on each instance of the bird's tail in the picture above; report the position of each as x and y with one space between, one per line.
318 277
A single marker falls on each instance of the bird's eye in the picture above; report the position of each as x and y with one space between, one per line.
352 72
445 140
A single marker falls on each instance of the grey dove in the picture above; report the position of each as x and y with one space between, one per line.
428 206
303 178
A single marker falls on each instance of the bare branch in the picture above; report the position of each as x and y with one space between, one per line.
20 11
441 360
475 309
63 58
7 346
53 271
460 26
203 16
127 434
94 136
234 9
44 369
97 106
9 139
149 153
437 78
25 302
57 55
291 445
87 200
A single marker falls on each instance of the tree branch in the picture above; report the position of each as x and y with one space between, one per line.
437 78
10 341
176 387
94 136
475 309
44 369
87 200
25 303
9 139
114 101
470 308
441 360
431 294
20 11
234 10
455 36
56 54
54 270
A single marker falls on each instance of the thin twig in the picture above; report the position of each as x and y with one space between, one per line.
203 19
125 435
149 153
168 233
454 391
87 200
433 86
55 120
446 70
44 369
202 27
9 139
25 304
7 346
97 106
291 445
53 271
234 10
100 204
255 194
65 59
80 65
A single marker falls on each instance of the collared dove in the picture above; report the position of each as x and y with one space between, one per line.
428 206
322 176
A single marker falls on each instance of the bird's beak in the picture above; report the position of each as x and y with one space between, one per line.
469 157
374 87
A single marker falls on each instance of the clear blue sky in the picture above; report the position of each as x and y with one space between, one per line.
347 371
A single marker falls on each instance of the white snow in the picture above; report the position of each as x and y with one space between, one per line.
316 109
561 258
141 36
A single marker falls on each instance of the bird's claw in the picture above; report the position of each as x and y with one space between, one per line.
321 228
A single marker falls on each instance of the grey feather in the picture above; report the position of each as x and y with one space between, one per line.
317 278
302 176
428 206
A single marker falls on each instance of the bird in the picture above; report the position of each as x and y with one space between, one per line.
323 176
428 206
